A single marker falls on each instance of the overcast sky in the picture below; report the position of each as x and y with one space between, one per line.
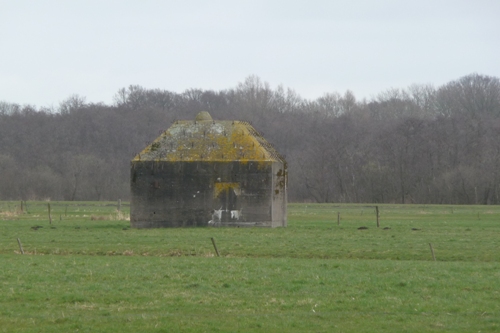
53 49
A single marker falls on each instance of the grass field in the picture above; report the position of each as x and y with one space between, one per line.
89 272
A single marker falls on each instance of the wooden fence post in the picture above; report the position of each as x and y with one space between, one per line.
20 245
338 218
50 217
215 247
378 216
432 251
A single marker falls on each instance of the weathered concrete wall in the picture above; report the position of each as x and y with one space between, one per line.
279 195
176 194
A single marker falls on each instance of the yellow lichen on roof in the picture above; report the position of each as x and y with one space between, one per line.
207 140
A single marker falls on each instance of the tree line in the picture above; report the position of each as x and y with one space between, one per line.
422 144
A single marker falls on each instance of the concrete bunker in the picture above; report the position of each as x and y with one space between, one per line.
205 172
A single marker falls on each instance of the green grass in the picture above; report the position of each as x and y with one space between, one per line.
99 275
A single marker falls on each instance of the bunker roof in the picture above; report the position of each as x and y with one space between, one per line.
205 139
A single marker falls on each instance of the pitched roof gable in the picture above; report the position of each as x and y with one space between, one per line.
205 139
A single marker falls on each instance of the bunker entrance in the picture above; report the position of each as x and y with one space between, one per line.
226 197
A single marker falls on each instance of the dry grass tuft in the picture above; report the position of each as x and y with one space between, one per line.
119 216
122 217
11 213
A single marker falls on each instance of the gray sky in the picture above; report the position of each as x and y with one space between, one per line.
52 49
